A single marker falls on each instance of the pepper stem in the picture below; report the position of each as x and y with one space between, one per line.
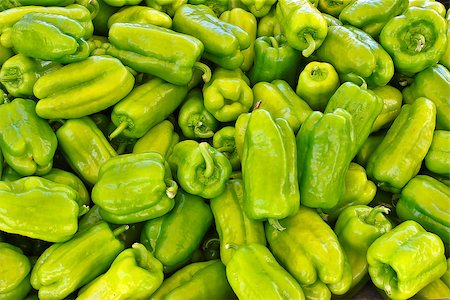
257 105
370 219
205 69
274 42
122 126
120 229
121 148
172 188
231 246
275 224
209 161
311 45
204 134
420 43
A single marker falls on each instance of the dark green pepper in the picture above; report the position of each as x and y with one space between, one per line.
101 19
15 268
140 15
223 140
160 138
438 156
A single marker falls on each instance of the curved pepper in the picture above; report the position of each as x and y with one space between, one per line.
332 7
82 88
199 168
160 138
223 141
269 24
135 273
15 268
392 103
140 15
28 142
174 237
438 156
135 197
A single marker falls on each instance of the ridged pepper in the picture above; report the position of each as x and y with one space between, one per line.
372 15
426 201
416 39
51 209
432 83
195 121
269 169
259 8
357 227
405 260
135 274
435 290
223 41
438 156
321 175
140 15
332 7
146 105
145 189
218 6
223 141
199 168
160 138
392 103
15 270
28 142
200 280
121 3
228 94
356 55
310 251
84 147
280 100
174 237
399 156
232 223
19 74
82 88
64 267
269 24
317 83
304 26
167 6
253 273
274 59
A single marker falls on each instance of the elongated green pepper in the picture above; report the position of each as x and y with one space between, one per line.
160 138
15 268
392 103
224 141
140 15
438 156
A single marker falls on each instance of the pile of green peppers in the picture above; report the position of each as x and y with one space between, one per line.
224 149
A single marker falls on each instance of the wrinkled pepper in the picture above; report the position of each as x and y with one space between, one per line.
438 156
15 268
392 103
223 141
140 15
160 138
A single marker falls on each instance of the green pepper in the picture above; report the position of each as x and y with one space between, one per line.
167 6
51 209
218 6
194 120
253 273
82 88
239 133
135 273
331 21
223 41
446 277
8 4
8 174
259 8
432 83
438 156
223 141
310 251
200 280
228 94
5 54
274 59
356 55
399 156
160 138
121 3
140 15
139 195
405 260
28 142
269 24
64 267
199 168
304 26
392 103
84 147
146 106
15 268
426 201
317 83
174 237
101 19
372 15
333 7
46 2
281 101
369 146
19 74
429 4
416 39
434 290
121 143
321 174
445 58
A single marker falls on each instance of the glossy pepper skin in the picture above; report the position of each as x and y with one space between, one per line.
332 7
274 195
82 88
19 74
223 41
228 94
438 156
140 15
399 156
304 26
224 141
321 176
426 201
199 168
405 260
432 83
28 142
15 268
167 6
274 59
416 39
174 237
269 24
135 273
445 58
253 273
160 138
84 147
280 100
51 209
310 251
392 103
259 8
64 267
140 195
434 290
200 280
